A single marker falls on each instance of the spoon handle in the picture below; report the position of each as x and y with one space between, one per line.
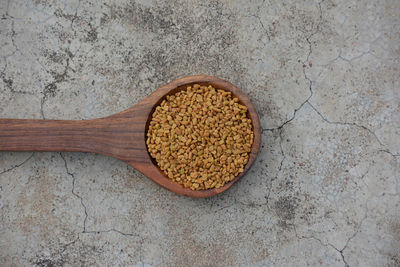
109 136
46 135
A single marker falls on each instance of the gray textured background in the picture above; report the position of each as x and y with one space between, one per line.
324 77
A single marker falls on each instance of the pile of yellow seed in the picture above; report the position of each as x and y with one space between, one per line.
200 137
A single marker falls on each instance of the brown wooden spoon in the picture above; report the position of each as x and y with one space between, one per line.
122 136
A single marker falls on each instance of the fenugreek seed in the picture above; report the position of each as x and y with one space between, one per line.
200 137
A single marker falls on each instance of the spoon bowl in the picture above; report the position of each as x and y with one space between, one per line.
122 135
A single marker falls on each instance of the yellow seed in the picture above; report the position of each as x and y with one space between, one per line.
200 137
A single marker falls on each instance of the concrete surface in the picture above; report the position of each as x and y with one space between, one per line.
324 77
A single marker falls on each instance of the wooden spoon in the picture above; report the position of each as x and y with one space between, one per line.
122 135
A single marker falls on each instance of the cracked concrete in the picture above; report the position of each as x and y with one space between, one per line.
323 76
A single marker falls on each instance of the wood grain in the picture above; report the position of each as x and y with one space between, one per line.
120 136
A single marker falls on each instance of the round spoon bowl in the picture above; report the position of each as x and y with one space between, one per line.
122 135
181 84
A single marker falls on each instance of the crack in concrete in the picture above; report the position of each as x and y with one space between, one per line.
73 191
349 60
9 82
354 125
296 109
13 36
50 89
279 128
279 168
353 58
357 230
51 260
335 248
18 165
64 248
249 204
85 231
41 107
58 78
322 243
308 100
141 239
262 26
331 122
304 73
289 120
395 156
317 29
319 113
111 230
75 17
